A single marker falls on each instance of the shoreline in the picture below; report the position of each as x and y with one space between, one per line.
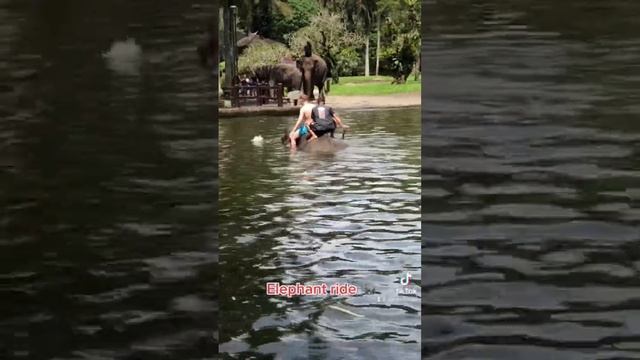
351 102
344 102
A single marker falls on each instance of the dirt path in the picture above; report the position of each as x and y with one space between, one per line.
337 102
377 101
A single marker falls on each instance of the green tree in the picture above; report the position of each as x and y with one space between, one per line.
300 16
348 61
365 10
359 16
260 54
401 31
260 15
328 36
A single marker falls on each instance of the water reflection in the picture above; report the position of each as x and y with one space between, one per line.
347 217
124 57
530 181
107 186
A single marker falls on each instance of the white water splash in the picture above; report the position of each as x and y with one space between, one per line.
257 140
124 57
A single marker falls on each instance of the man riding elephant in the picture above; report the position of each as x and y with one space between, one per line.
324 119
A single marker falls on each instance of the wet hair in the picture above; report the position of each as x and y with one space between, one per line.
286 141
321 100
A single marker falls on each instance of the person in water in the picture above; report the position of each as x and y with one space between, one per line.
325 119
303 125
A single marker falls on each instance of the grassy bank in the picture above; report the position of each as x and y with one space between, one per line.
373 85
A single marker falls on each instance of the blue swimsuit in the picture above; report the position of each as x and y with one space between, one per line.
304 130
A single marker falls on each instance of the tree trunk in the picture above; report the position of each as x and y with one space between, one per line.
331 61
249 19
378 49
227 45
335 77
366 56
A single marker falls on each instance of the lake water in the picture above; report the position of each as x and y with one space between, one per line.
348 217
531 180
107 186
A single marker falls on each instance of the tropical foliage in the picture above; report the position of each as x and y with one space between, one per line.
401 31
354 36
299 17
260 54
329 38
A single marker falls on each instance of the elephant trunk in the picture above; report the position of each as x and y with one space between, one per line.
308 84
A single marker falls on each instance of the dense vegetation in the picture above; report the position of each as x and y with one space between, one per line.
356 37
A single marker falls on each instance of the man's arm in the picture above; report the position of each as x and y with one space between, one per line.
336 118
300 117
339 121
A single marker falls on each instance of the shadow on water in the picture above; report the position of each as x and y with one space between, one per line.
108 220
530 174
352 216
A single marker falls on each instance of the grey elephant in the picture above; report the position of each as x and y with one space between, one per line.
289 75
314 72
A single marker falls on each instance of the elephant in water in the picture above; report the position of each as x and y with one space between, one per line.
314 72
325 144
288 75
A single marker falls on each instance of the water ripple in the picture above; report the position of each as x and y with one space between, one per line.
529 174
352 218
108 182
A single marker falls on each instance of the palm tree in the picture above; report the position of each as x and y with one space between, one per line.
365 10
378 15
356 13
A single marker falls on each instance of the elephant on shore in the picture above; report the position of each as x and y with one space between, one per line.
314 72
289 75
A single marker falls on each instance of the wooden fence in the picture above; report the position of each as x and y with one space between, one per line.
263 94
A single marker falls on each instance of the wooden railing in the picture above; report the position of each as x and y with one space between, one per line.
263 94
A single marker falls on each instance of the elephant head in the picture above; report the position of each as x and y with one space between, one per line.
314 71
